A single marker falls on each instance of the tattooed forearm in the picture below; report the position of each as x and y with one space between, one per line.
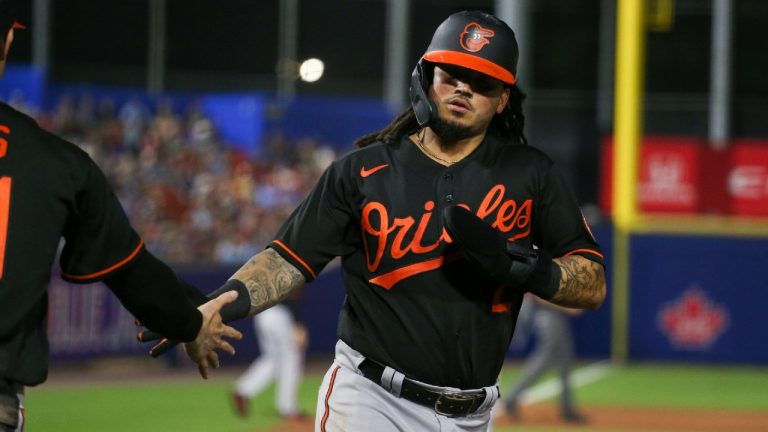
582 284
269 279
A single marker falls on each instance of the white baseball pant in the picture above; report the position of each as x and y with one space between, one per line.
348 401
281 360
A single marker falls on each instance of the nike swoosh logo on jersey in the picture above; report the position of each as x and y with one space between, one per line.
366 172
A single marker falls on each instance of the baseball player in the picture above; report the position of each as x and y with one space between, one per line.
554 348
51 189
282 340
436 219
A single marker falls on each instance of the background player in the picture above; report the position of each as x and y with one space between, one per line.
51 189
554 348
282 341
435 219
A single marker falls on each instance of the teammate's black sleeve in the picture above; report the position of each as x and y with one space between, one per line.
98 237
151 292
193 293
562 229
100 244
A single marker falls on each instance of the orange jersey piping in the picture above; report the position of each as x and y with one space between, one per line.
328 396
584 250
296 257
109 269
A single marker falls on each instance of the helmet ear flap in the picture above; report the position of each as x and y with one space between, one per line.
423 107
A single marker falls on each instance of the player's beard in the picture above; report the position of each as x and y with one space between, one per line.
452 132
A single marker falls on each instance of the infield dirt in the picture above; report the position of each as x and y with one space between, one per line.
544 417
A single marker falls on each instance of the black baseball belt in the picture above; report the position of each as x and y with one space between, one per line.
449 404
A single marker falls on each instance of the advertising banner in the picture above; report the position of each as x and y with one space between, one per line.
684 175
668 175
747 178
696 298
24 87
86 321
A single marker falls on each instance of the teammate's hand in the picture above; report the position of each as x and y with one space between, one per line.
211 336
162 345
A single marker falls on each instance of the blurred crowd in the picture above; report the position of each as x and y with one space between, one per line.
192 197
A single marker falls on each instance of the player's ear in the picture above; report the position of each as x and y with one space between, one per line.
503 100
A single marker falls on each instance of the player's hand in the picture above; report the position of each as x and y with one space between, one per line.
229 312
202 350
501 260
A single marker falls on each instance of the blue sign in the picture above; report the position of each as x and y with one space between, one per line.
23 85
239 119
697 299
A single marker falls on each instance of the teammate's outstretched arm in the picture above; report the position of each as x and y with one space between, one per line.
269 279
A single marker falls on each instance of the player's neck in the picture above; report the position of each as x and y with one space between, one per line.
445 152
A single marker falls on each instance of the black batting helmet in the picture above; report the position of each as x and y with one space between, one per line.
471 39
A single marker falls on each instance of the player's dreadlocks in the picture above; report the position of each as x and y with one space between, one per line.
508 125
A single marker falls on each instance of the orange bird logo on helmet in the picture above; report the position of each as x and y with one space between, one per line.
475 37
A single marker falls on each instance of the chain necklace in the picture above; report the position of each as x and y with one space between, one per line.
423 148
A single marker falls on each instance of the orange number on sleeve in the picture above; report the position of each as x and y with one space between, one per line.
5 207
3 142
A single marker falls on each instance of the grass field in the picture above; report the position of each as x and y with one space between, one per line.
122 400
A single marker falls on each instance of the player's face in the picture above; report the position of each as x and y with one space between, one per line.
467 99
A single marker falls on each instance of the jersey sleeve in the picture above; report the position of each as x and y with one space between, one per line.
562 229
321 227
99 239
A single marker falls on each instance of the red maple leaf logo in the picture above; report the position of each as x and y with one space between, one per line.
693 321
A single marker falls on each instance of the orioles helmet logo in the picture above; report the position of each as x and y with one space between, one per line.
475 37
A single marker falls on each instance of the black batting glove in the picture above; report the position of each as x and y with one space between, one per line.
161 344
526 269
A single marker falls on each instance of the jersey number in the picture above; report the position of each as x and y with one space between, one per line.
5 207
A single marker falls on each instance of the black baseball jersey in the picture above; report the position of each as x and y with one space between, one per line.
49 189
413 302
